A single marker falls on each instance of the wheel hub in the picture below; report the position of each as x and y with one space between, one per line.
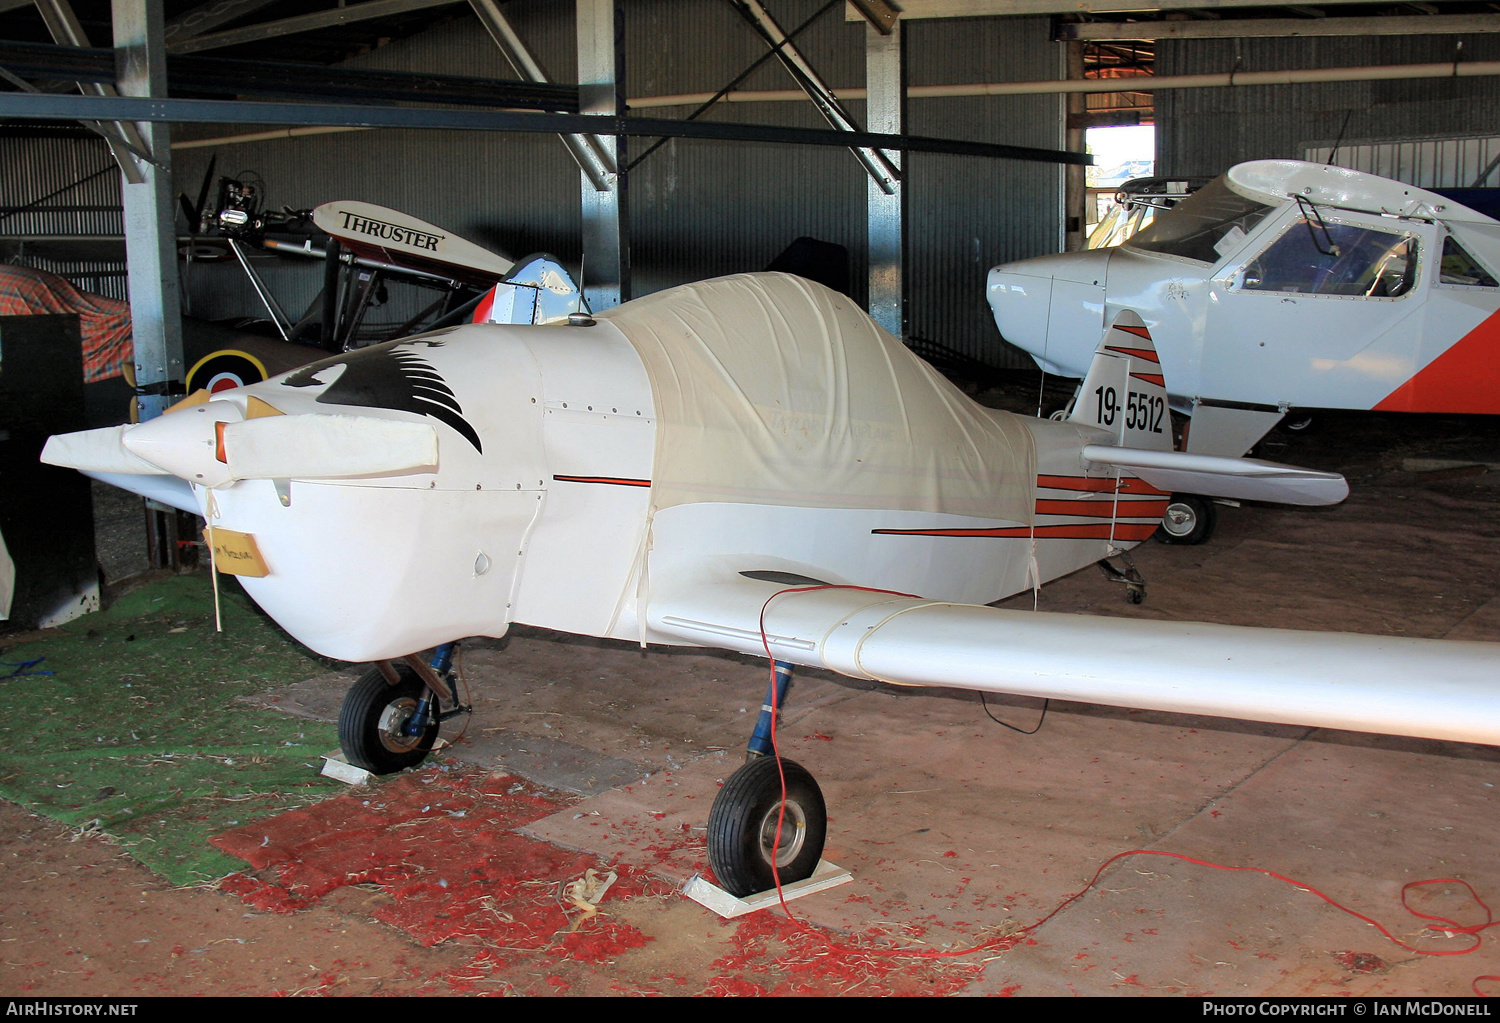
392 726
1178 519
793 834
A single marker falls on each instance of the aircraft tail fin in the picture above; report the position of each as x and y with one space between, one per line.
1124 393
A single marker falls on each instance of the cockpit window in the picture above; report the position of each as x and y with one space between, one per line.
1335 259
1462 269
1197 227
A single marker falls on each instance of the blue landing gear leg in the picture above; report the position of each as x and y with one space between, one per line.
760 740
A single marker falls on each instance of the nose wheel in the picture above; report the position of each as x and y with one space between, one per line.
379 727
390 717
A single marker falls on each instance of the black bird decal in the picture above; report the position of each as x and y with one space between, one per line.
389 376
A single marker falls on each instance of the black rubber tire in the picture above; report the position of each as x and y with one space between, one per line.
742 827
371 717
1189 519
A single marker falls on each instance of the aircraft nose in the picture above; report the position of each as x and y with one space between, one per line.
1051 305
215 443
188 442
1019 302
1090 267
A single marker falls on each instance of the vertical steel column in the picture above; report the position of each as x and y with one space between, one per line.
150 214
885 111
606 215
1075 184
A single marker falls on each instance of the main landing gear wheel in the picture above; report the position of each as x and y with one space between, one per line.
742 827
1189 519
373 724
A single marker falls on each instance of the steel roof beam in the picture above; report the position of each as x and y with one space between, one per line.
240 77
125 142
50 107
914 10
880 168
209 16
304 23
1264 28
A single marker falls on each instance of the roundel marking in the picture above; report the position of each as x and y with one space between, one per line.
224 369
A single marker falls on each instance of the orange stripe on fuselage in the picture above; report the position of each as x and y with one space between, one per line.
1099 485
1079 531
614 481
1103 509
1464 379
1093 484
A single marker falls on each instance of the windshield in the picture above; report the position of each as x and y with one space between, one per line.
1204 226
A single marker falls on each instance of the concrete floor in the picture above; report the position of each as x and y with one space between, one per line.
958 830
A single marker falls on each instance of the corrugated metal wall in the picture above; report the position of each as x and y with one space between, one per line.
63 186
1426 163
702 209
966 215
1205 131
699 209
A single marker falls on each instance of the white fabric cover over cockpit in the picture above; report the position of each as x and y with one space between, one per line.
771 389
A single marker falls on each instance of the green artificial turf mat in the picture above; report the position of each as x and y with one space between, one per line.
137 732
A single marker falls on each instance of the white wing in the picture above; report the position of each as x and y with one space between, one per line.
1431 688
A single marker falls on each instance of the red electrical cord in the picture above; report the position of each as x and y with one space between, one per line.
1451 927
765 643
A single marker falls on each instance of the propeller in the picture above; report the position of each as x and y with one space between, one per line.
213 443
194 212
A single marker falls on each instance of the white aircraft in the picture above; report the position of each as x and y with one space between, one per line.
752 464
1282 286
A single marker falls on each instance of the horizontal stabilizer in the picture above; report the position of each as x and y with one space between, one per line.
96 451
1240 479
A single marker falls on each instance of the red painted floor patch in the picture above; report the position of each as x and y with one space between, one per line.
442 846
442 849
